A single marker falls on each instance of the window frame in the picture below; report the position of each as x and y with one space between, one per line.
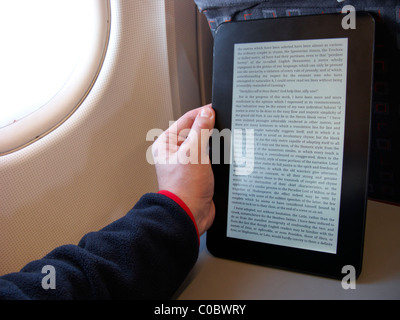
57 110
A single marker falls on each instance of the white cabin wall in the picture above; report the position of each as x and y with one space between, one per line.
92 169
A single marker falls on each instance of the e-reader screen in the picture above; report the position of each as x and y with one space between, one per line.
292 94
295 96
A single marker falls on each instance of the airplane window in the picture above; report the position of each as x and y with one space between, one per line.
50 56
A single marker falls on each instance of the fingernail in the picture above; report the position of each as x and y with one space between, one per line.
205 112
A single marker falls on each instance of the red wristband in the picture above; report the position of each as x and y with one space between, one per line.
183 205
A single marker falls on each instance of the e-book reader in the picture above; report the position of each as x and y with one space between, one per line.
290 148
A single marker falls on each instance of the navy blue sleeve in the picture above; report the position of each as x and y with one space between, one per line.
144 255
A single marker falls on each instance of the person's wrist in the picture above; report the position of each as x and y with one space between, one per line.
183 205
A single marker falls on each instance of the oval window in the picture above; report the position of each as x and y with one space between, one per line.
51 54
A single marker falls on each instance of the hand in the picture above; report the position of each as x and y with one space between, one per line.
183 165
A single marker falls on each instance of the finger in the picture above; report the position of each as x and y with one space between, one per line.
200 133
184 122
170 136
179 130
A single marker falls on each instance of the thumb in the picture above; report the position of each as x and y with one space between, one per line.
200 132
205 119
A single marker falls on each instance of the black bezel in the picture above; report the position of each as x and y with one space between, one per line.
356 141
